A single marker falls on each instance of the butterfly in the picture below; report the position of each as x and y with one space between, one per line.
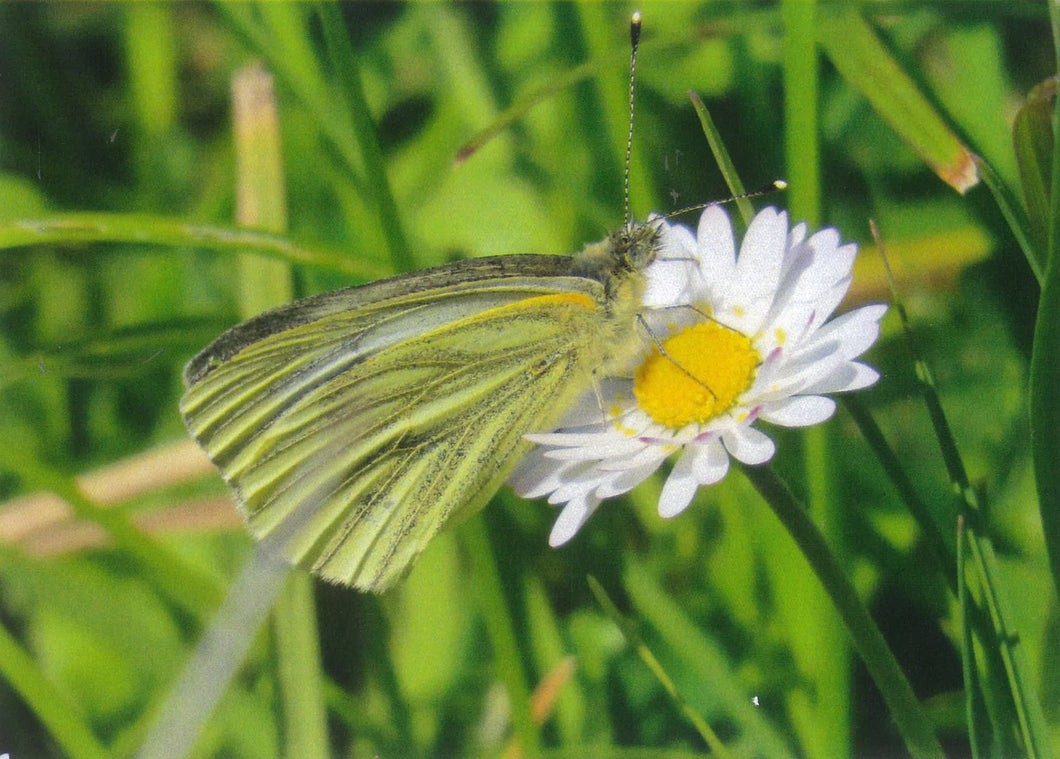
354 425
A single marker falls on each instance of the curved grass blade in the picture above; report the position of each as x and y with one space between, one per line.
62 720
148 229
856 51
1014 215
1031 719
123 353
940 551
1032 138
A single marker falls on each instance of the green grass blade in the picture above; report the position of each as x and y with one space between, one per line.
818 644
975 706
1045 360
1032 138
1015 216
294 622
496 613
704 658
344 62
802 160
148 229
1045 411
63 721
721 155
629 632
888 459
1031 719
868 66
910 718
209 671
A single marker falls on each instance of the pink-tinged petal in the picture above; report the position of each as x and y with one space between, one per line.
570 520
711 462
854 331
827 302
679 489
748 445
800 411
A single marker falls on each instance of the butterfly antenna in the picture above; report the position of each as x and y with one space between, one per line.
634 40
777 185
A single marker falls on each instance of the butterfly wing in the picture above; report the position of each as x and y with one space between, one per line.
355 425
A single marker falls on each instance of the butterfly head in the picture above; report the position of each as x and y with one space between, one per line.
635 246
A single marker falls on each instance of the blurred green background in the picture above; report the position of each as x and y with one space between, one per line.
120 258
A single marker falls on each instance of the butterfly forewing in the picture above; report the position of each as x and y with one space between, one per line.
354 426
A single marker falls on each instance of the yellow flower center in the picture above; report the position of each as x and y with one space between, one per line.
698 375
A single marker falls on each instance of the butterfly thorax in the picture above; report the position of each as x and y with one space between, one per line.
619 263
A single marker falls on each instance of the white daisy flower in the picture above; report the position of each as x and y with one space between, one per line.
753 342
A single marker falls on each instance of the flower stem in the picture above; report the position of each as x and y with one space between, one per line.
911 720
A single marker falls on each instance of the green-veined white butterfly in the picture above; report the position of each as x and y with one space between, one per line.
354 425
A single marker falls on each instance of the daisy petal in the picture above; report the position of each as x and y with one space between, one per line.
850 375
617 483
679 489
570 520
748 445
855 331
674 272
758 266
799 411
711 462
605 447
534 476
716 249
